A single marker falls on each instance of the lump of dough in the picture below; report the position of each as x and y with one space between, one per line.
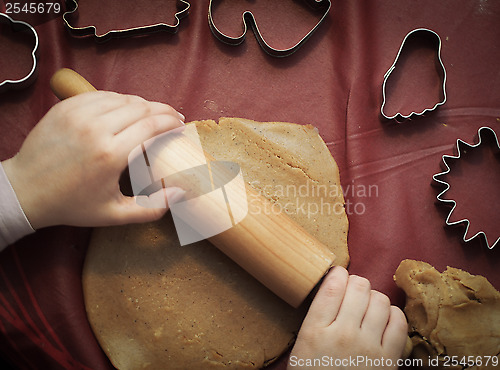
452 313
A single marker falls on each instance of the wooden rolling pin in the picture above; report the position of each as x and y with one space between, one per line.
269 245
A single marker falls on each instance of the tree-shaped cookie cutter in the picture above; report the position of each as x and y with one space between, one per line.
20 26
433 36
248 18
183 10
437 178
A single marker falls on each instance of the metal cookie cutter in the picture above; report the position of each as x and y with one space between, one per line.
20 26
482 131
434 37
249 19
183 10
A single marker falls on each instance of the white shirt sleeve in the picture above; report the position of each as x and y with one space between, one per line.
13 222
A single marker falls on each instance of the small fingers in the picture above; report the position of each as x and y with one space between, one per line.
143 209
355 303
128 114
396 333
144 130
129 211
327 302
91 105
163 198
111 112
377 316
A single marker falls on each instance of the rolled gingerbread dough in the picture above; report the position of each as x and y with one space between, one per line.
154 304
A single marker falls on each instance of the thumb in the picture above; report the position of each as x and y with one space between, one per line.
149 208
173 195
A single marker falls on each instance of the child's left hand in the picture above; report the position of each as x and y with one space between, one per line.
68 168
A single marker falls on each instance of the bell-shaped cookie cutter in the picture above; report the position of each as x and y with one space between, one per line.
249 19
183 10
425 32
482 131
28 79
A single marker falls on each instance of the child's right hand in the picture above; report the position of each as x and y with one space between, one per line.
346 320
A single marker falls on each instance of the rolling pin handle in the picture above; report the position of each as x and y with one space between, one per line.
66 83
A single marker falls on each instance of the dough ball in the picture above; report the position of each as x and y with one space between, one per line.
452 313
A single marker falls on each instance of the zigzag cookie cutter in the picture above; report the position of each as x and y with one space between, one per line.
482 131
183 10
249 19
29 78
433 36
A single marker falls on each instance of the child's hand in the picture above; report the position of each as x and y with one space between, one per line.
346 320
68 168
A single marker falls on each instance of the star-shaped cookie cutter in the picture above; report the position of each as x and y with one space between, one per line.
183 10
482 131
249 19
28 79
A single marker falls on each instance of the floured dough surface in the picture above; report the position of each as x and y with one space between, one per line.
452 313
154 304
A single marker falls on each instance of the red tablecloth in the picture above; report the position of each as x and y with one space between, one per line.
334 82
